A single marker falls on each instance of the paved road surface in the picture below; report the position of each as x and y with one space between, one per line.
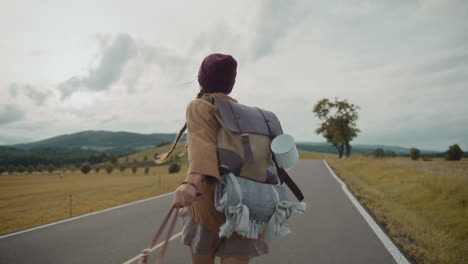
331 231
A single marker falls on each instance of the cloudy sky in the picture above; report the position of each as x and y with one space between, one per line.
69 66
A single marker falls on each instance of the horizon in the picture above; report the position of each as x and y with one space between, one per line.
297 141
71 66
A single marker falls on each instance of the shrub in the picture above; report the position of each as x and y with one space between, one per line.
415 154
426 159
50 168
85 168
378 153
97 169
109 167
134 169
2 169
20 169
11 169
390 154
147 170
174 168
454 153
145 158
40 168
122 168
30 169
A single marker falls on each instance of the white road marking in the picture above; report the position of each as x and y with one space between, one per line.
386 241
152 249
85 215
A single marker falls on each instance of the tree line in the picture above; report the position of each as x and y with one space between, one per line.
454 152
86 167
59 157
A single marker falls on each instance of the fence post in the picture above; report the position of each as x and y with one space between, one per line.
71 205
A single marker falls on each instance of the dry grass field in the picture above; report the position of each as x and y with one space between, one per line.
422 204
28 200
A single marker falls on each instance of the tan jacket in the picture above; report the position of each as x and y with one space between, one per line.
202 157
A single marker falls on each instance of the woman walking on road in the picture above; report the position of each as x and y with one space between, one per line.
201 221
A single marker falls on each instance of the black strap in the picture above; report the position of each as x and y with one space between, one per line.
282 174
284 177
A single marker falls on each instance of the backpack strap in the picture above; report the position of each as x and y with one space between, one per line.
244 135
282 174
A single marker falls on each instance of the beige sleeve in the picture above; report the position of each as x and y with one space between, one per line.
202 138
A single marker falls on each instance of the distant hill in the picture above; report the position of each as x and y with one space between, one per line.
358 148
102 141
86 146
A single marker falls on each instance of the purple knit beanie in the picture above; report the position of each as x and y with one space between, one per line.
217 73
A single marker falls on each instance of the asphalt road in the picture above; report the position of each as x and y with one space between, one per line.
331 231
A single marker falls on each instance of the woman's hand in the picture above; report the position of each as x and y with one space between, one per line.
187 193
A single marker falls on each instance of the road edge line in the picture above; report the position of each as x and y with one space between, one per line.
386 241
84 215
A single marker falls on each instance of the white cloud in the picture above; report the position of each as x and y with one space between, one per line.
351 9
403 62
10 113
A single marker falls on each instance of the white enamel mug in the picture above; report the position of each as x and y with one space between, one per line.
284 149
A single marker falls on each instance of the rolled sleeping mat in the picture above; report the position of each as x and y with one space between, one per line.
284 149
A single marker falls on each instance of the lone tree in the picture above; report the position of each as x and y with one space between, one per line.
415 154
338 125
85 168
454 153
134 169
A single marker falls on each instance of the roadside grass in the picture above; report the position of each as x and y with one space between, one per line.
28 200
311 155
422 204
